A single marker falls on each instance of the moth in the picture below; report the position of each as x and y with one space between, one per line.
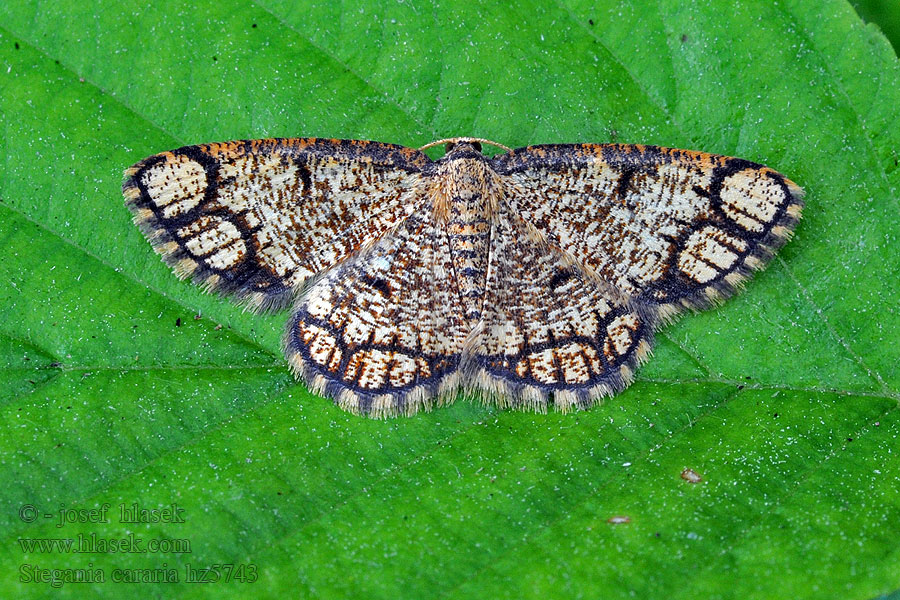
534 278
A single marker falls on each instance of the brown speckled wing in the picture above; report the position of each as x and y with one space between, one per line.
383 332
258 218
548 332
667 228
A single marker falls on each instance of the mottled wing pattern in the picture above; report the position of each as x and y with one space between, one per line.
669 228
258 218
537 276
549 331
382 333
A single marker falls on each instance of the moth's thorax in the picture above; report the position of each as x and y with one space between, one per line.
465 201
463 175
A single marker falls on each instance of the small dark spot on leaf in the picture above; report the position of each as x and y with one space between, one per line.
55 364
849 439
178 322
197 317
215 59
691 476
658 534
17 45
775 415
254 26
68 408
683 38
740 387
591 22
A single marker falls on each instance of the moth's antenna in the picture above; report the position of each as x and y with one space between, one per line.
464 139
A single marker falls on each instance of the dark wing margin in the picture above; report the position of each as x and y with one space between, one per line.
669 228
257 218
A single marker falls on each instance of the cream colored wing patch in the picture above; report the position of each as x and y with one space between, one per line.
258 218
672 228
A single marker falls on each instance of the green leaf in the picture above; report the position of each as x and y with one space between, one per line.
124 385
883 13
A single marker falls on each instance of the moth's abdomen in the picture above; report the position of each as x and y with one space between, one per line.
469 234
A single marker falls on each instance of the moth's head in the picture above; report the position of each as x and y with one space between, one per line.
461 148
